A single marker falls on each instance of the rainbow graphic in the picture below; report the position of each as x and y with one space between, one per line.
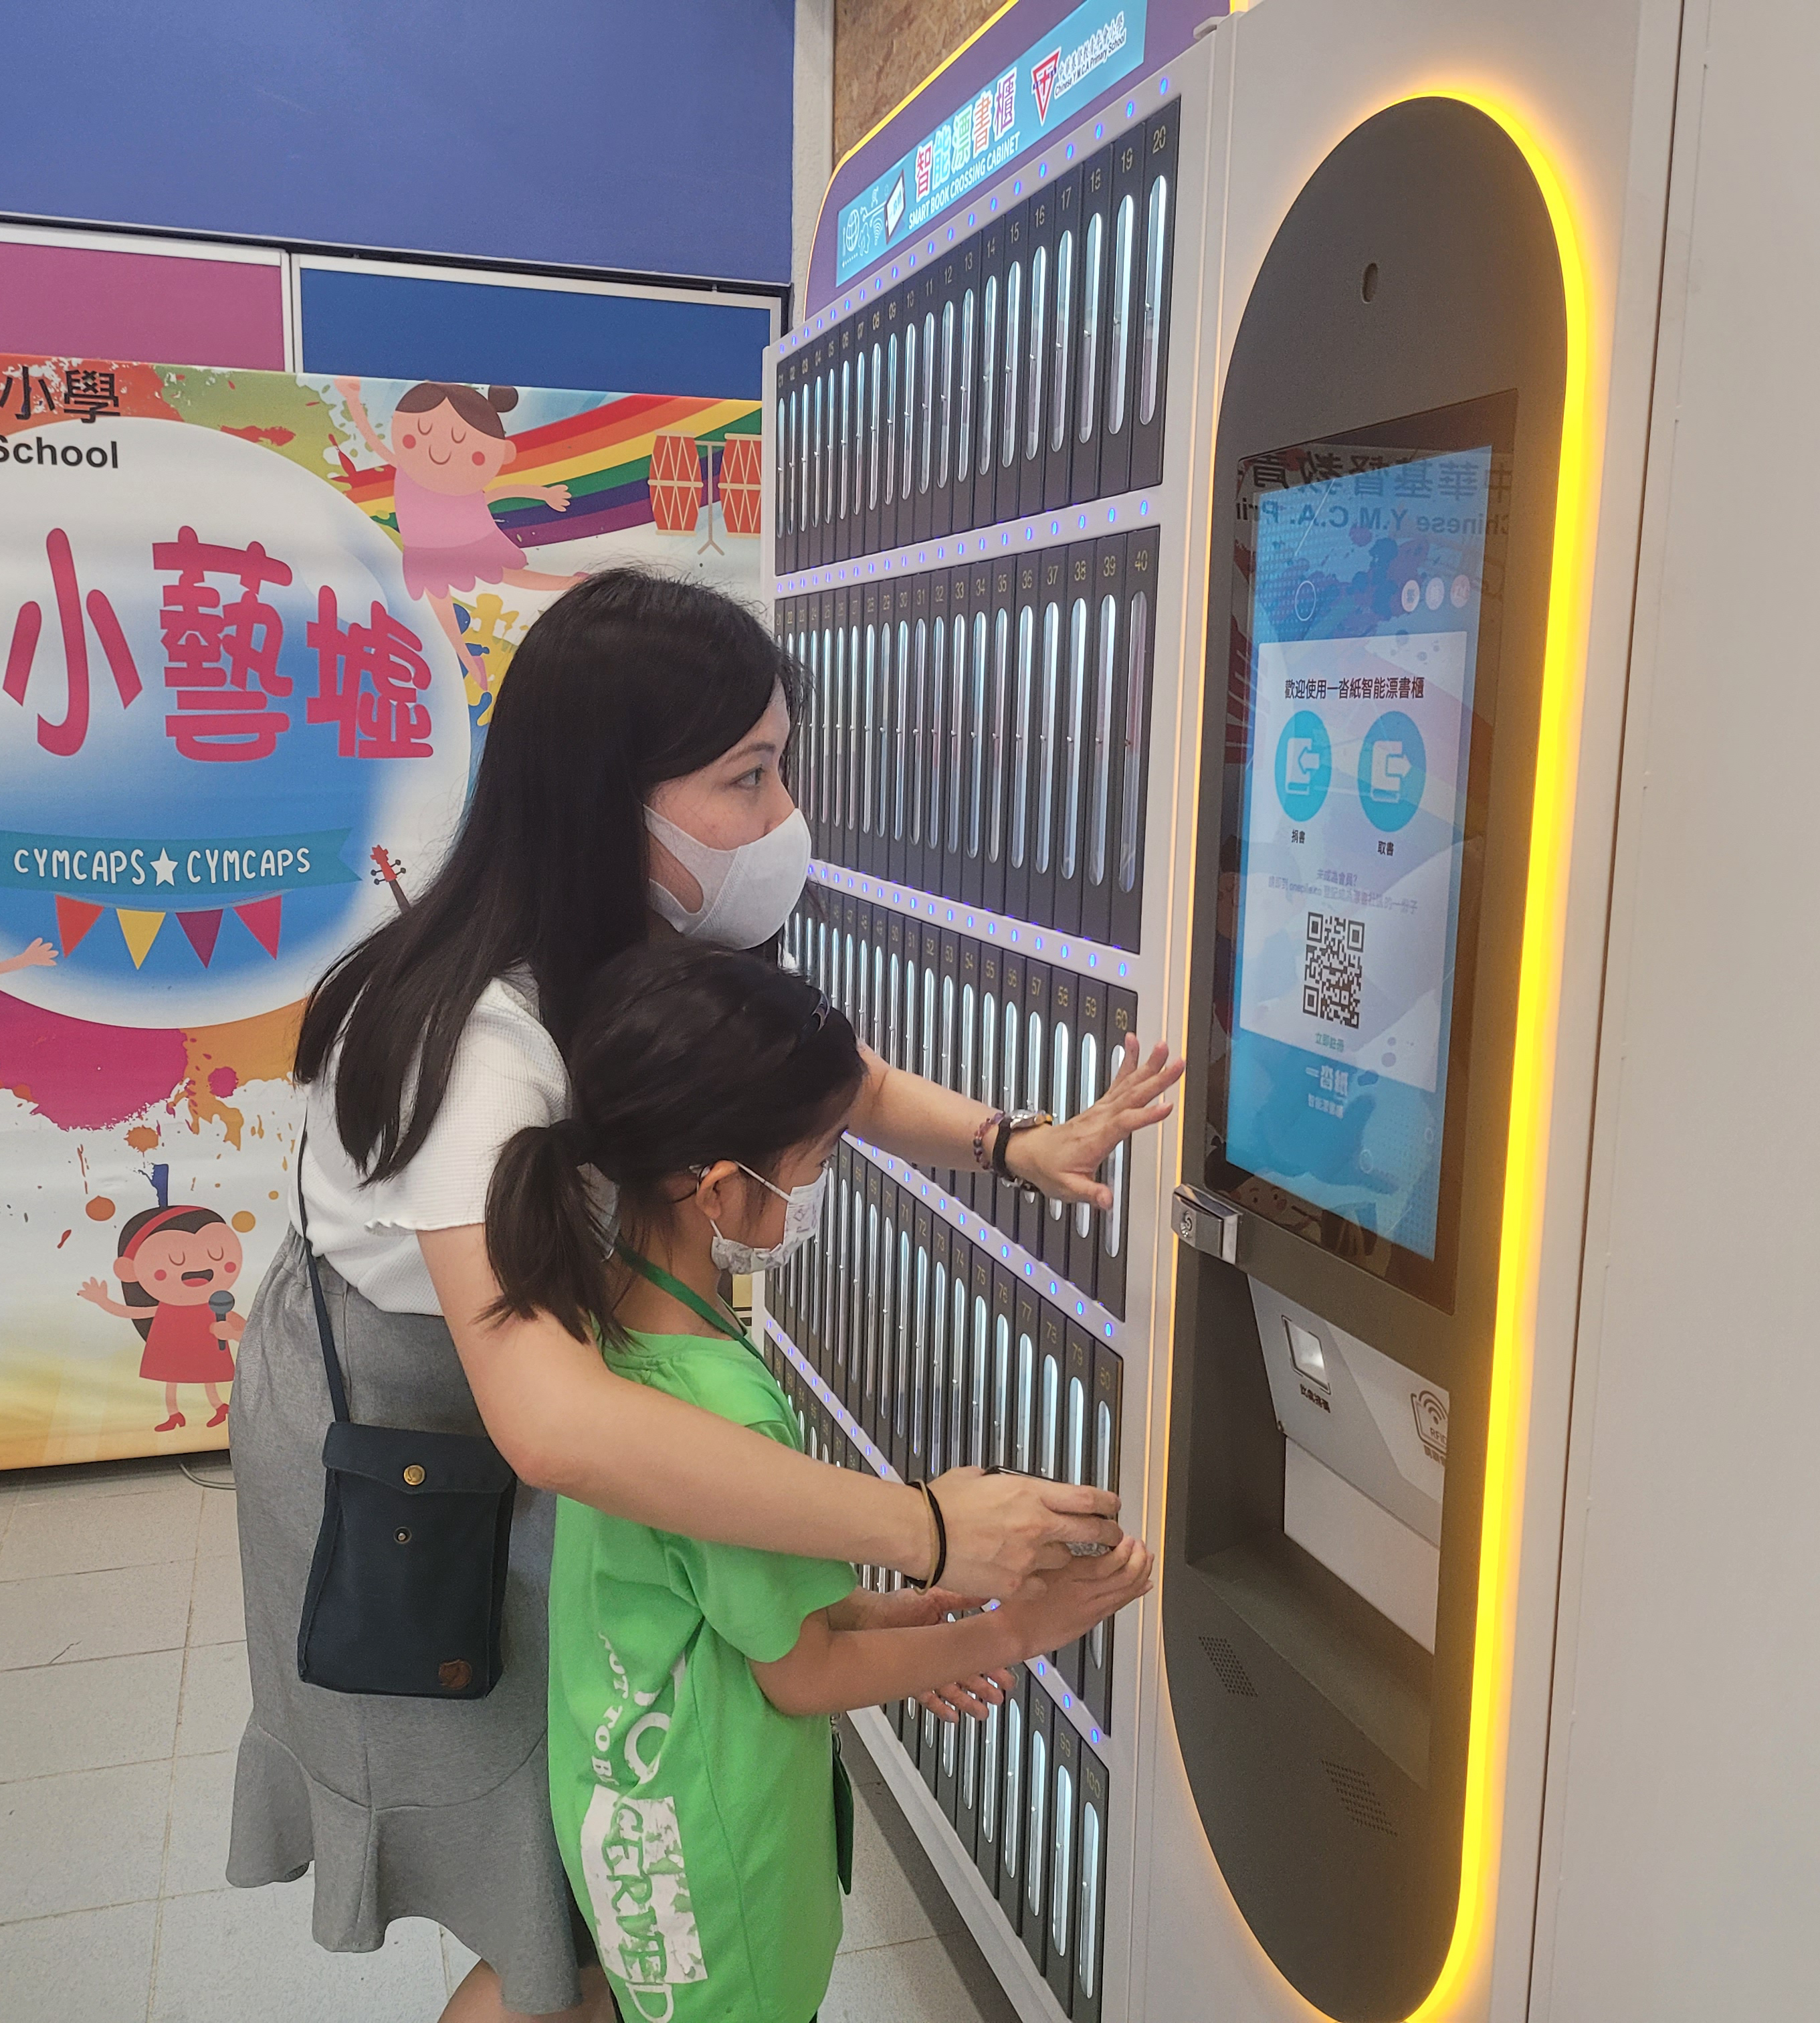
602 455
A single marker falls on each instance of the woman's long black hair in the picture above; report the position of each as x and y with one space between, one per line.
683 1055
627 680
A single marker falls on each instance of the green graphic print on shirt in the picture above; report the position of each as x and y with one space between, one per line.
696 1821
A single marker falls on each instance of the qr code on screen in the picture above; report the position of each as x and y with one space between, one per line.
1333 968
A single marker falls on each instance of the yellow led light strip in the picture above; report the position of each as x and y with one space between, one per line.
1532 1073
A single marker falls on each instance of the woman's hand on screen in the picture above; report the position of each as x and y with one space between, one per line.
1062 1161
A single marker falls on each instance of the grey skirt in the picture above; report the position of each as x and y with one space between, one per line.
405 1807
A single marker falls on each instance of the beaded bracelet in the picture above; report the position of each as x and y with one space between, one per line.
982 1155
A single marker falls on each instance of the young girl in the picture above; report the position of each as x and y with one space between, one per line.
692 1771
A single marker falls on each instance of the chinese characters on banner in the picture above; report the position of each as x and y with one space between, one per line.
236 726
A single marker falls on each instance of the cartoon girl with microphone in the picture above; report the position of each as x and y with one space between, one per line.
177 1266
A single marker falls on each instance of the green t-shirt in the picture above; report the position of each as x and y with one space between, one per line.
695 1820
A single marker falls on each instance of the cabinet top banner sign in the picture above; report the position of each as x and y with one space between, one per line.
1100 41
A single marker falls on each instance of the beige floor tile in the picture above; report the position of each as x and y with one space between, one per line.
218 1535
896 1894
61 1619
940 1979
81 1534
85 1717
217 1608
83 1841
92 1967
247 1956
202 1798
217 1696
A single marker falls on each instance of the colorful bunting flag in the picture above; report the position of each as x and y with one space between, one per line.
74 917
262 919
141 930
202 929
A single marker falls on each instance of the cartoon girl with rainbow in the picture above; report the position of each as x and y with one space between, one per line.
448 448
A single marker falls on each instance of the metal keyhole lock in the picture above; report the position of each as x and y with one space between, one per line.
403 1537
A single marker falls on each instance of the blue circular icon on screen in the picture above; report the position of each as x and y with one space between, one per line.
1304 766
1393 769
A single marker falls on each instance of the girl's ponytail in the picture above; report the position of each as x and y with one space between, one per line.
543 1242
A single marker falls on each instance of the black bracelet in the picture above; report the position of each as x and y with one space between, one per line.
934 1579
940 1567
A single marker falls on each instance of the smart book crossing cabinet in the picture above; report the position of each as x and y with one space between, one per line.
1186 539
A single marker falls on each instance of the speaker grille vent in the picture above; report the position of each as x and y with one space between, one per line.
1231 1671
1358 1797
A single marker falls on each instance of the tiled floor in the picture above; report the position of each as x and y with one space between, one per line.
122 1691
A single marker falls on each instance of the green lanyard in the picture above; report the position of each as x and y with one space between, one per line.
687 1295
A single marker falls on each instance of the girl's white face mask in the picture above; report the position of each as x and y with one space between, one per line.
801 1218
746 894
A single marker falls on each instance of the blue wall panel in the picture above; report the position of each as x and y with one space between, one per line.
398 326
624 134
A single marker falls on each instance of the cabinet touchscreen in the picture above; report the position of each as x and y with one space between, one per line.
1358 719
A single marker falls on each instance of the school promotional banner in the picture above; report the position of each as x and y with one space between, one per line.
252 627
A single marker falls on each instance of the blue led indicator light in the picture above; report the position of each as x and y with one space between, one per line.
1130 106
993 204
1143 509
1162 87
1084 520
1042 171
1111 515
1068 152
1017 187
1099 129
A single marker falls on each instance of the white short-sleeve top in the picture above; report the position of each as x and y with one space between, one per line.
507 1074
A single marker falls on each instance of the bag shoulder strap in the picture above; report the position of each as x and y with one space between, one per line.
330 1361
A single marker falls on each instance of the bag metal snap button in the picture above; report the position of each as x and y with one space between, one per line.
413 1475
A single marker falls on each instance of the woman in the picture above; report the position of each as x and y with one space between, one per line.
629 785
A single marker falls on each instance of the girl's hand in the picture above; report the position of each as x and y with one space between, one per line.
900 1609
96 1290
1062 1160
556 496
350 389
1070 1607
914 1608
1006 1531
973 1697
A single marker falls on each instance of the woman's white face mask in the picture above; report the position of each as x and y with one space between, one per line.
801 1218
746 894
